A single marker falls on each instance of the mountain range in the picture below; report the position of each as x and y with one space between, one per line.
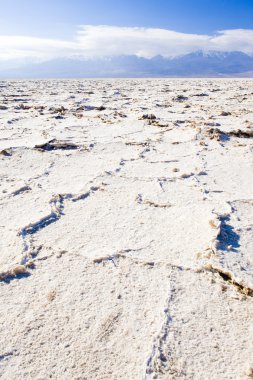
196 64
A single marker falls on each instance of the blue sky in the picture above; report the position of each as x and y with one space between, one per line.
59 18
36 31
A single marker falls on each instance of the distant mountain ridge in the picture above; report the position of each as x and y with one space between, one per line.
196 64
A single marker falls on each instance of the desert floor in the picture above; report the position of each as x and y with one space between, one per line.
126 221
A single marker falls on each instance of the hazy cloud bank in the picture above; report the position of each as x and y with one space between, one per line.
98 41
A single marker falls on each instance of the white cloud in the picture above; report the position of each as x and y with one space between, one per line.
231 40
92 41
143 42
18 47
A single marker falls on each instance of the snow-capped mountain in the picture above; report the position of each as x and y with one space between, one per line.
199 63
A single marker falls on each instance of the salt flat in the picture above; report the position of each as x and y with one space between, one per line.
126 219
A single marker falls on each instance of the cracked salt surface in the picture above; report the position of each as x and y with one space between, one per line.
126 229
